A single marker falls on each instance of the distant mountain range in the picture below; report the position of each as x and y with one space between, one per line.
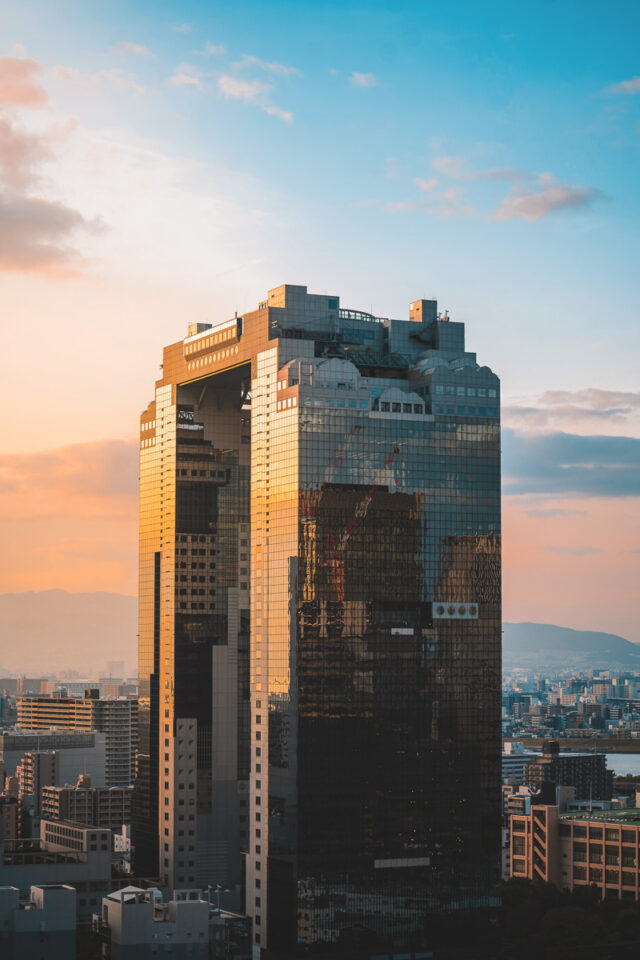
44 632
541 646
51 630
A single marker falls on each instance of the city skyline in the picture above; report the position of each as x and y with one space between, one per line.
190 159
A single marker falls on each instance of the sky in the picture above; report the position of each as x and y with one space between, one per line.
165 163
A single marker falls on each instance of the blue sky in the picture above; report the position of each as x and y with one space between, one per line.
194 155
514 87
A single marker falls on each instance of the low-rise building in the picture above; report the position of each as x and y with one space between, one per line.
136 924
587 772
96 806
573 850
65 853
41 926
77 752
116 719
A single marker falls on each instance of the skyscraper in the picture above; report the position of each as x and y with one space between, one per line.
331 478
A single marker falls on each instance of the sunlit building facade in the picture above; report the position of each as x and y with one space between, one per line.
320 621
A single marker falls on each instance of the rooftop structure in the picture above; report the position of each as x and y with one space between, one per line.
136 924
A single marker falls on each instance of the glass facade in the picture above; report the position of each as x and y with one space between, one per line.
369 721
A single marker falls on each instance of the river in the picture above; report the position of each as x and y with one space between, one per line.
623 763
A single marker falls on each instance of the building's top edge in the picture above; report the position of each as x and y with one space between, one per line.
623 815
212 328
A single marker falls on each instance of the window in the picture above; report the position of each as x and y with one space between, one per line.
580 852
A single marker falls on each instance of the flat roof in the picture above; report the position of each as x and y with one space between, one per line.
625 815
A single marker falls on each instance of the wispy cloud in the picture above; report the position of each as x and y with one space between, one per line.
183 79
104 469
115 78
254 92
81 499
455 168
426 186
452 204
18 84
246 90
183 28
212 50
628 87
532 197
576 410
285 115
552 513
363 79
137 49
36 233
21 155
550 196
278 69
574 551
447 202
564 464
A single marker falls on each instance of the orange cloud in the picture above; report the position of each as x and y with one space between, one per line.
101 476
18 86
35 234
21 153
69 518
